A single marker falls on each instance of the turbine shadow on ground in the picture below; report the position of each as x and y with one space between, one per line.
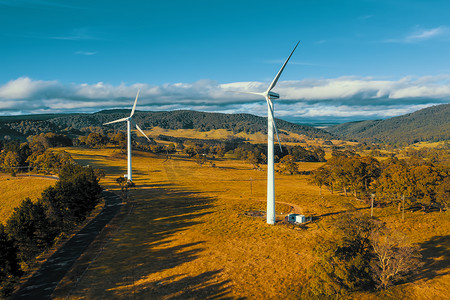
146 246
436 258
203 286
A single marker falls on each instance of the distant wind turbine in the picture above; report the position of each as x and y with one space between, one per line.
269 96
129 121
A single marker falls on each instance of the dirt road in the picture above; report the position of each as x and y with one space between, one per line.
42 284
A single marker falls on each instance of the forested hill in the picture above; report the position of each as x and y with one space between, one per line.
187 119
428 124
182 119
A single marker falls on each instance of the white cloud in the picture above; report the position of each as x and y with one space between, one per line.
421 34
23 87
87 53
343 97
425 34
354 87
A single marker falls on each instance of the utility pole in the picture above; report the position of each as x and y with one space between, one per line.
371 205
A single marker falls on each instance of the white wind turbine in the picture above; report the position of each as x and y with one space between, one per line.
269 96
129 121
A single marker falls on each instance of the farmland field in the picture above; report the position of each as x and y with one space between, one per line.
15 189
186 234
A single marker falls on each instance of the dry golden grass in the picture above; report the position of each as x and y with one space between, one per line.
223 134
187 235
429 144
15 189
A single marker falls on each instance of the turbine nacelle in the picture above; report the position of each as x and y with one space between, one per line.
273 95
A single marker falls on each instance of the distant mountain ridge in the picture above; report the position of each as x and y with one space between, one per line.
180 119
428 124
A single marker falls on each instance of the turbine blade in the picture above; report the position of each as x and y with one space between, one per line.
251 93
116 121
140 130
275 80
269 103
134 106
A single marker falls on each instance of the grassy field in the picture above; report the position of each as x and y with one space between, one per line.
15 189
186 234
223 134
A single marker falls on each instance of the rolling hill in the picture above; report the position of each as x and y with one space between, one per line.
182 119
428 124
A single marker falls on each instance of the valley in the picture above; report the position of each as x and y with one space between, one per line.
193 226
187 236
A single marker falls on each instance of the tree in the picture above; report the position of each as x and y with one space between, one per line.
359 172
240 153
50 160
395 181
190 150
9 263
37 146
393 259
11 162
95 140
32 230
252 159
414 179
24 152
426 180
75 194
345 259
171 148
323 177
50 139
443 193
320 154
120 139
99 174
219 150
125 185
13 145
287 165
340 172
200 159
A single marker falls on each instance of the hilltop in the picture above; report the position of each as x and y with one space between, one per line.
428 124
182 119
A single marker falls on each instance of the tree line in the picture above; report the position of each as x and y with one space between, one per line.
254 154
35 226
36 154
419 181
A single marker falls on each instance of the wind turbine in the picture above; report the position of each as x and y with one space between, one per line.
129 121
269 96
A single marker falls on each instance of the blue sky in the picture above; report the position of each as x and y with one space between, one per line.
359 59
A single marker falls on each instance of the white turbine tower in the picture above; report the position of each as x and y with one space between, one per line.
269 96
129 121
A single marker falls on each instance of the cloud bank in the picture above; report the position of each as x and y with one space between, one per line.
335 99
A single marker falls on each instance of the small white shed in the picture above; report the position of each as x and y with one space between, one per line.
296 218
300 219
